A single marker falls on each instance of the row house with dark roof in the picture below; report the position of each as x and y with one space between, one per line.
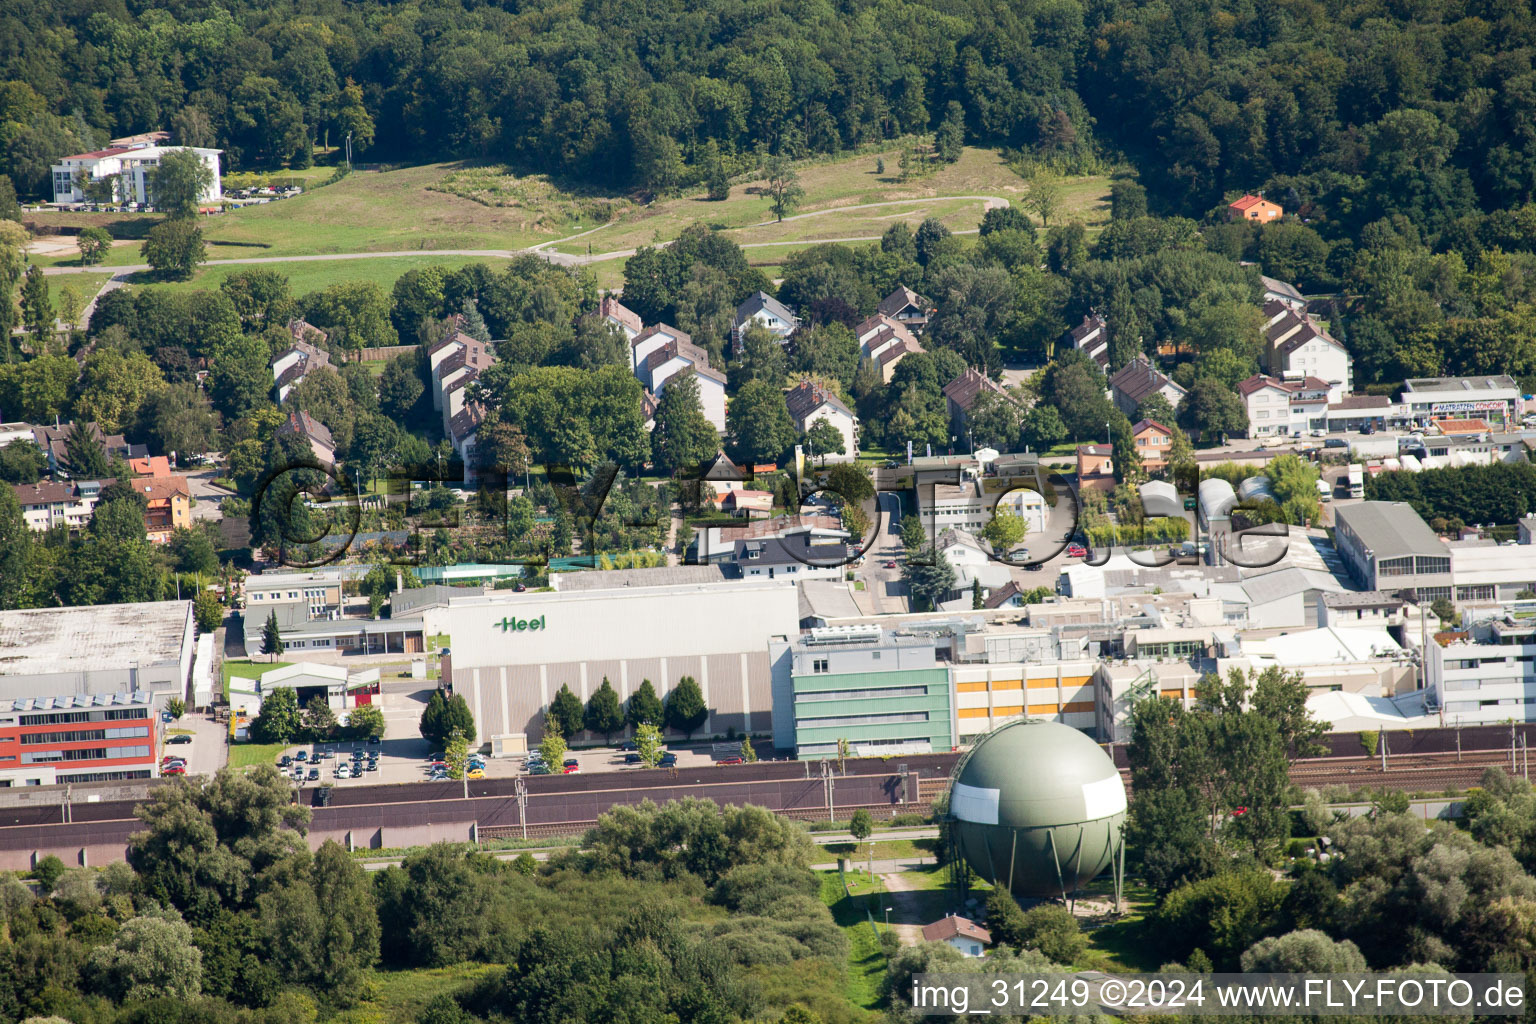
661 353
1137 381
907 308
1091 337
455 362
810 401
962 393
885 342
763 310
297 361
1296 346
54 441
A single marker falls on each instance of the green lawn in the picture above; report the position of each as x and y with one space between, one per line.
85 285
866 962
248 669
248 755
1124 944
396 996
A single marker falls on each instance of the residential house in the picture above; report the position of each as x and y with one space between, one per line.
680 355
169 508
907 308
765 311
798 557
296 362
966 935
648 407
302 330
970 504
131 170
1279 407
1091 337
1255 208
315 433
70 504
1153 443
1139 379
153 465
1296 346
962 393
810 401
142 139
1280 291
455 356
621 316
718 543
1096 467
974 565
722 475
54 441
885 342
748 503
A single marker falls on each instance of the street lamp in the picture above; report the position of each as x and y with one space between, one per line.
887 918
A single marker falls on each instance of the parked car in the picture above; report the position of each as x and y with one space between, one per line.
1033 567
890 564
736 759
343 772
175 769
284 761
374 741
314 775
302 755
667 760
475 773
174 762
1335 442
633 759
180 738
572 769
1319 433
1076 551
438 756
628 745
538 769
571 761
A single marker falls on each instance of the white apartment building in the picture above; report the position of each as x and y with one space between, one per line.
810 401
132 170
47 504
1280 407
1297 348
1486 673
660 352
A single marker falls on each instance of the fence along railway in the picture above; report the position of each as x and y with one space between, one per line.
81 831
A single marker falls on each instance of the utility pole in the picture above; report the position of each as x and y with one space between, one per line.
1384 735
349 151
522 806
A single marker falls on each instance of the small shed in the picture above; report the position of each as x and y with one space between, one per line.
962 933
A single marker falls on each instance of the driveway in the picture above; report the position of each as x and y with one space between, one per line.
209 749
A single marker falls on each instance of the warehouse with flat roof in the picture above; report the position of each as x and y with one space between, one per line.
511 652
100 649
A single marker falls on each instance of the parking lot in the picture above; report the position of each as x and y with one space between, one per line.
402 761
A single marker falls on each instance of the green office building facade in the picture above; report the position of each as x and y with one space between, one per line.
882 694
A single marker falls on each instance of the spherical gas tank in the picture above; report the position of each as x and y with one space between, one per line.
1038 808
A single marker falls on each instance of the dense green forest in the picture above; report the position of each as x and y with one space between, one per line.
1356 111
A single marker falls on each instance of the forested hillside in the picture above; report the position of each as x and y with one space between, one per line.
1353 111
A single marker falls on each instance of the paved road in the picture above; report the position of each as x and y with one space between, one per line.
885 592
988 203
